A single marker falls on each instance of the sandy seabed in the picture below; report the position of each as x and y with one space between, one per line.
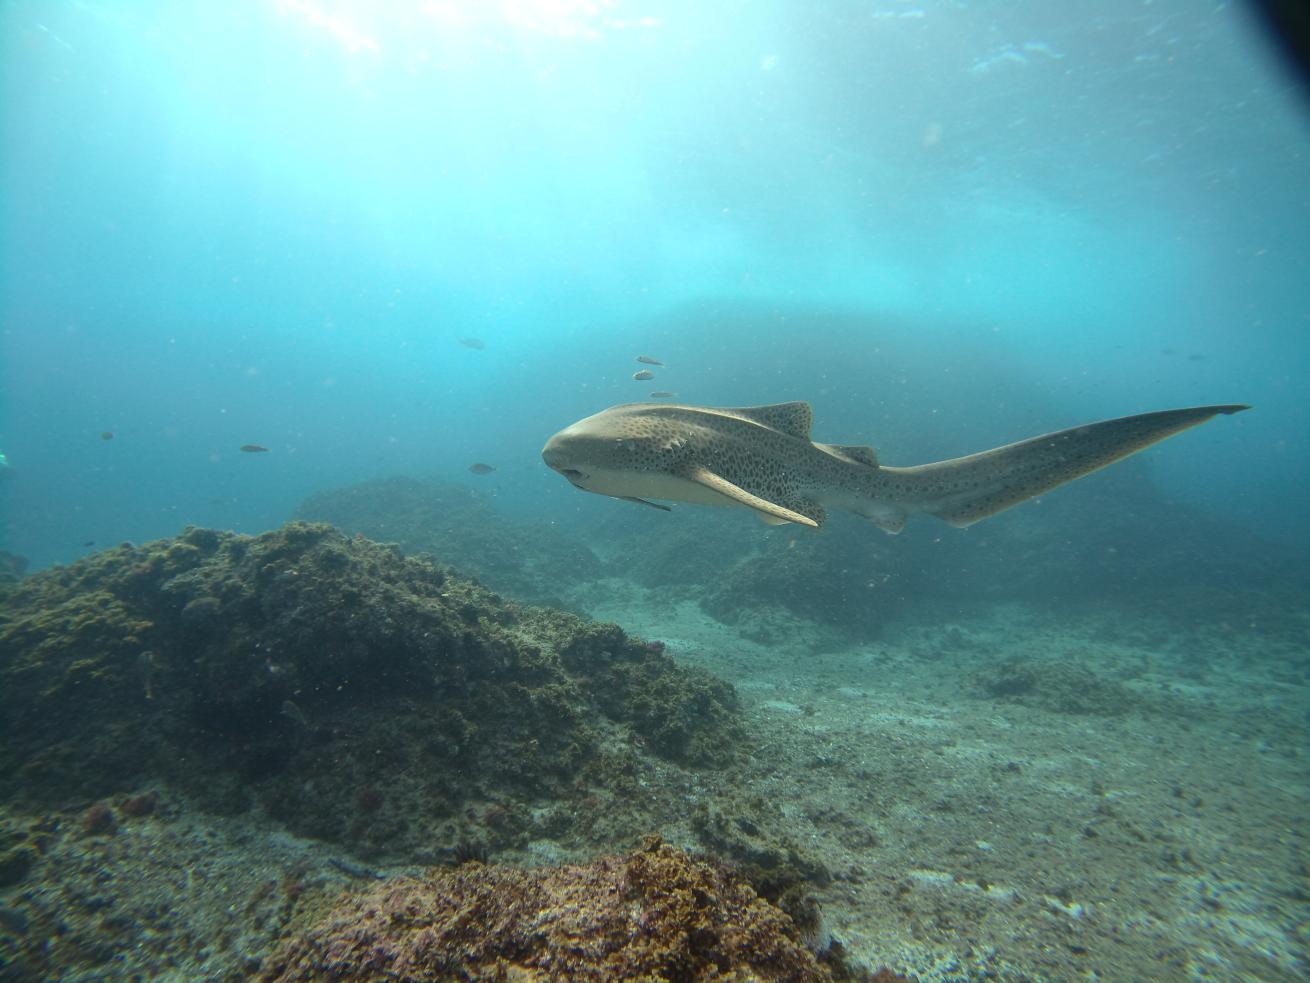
1011 794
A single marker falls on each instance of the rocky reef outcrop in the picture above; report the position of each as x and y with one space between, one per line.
356 694
461 526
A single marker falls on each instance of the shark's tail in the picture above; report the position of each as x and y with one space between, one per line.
966 489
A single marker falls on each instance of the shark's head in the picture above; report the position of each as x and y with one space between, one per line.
644 451
625 451
585 452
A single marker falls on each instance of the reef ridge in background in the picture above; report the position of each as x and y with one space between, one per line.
358 696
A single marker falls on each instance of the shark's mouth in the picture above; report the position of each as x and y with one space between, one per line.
572 474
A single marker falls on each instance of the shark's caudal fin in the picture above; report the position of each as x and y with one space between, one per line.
966 489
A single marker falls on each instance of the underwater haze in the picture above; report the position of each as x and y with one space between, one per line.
339 640
947 225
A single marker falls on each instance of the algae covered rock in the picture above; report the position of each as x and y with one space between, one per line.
1057 685
12 568
358 695
655 914
850 584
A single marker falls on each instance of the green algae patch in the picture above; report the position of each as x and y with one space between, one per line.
354 693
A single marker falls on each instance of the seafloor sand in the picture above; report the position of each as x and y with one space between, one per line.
1009 795
997 795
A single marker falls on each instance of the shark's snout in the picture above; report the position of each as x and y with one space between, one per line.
557 456
554 453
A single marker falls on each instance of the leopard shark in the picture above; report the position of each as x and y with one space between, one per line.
762 458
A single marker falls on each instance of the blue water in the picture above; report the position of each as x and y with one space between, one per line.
947 225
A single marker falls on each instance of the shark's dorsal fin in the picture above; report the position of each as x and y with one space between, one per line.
856 453
796 419
704 476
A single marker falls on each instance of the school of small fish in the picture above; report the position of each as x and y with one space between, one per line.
646 375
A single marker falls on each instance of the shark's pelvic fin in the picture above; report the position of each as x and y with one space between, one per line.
890 520
704 476
967 489
642 501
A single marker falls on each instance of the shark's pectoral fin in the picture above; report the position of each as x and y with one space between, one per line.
813 510
642 501
770 510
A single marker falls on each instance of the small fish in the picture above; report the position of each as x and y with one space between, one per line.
643 375
253 449
662 394
477 344
481 468
647 360
107 435
88 544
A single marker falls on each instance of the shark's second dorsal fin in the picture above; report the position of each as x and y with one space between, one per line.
796 419
857 453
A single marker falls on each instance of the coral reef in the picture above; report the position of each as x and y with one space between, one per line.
1056 685
526 560
655 914
360 696
752 832
841 582
12 568
848 580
